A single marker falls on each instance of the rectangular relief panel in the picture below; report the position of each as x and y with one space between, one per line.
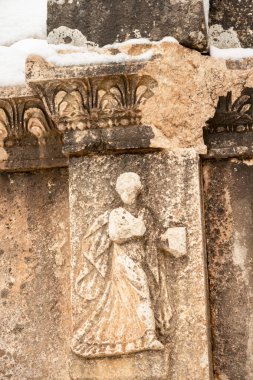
139 301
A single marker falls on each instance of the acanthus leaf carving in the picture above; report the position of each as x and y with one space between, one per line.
232 116
22 116
35 123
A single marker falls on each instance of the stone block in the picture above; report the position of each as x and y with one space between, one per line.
104 21
231 23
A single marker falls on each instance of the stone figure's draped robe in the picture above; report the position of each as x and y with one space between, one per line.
120 316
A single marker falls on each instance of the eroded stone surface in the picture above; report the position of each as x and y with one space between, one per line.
231 23
34 276
64 35
104 22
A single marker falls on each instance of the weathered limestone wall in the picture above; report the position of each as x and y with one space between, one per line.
228 203
81 111
34 275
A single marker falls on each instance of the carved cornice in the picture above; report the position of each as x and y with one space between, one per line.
233 117
33 129
101 102
229 133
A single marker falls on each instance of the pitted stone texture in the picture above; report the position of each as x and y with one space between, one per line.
223 38
34 269
231 23
64 35
171 191
104 21
228 203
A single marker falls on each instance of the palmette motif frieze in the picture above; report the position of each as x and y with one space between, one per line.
32 128
229 133
103 102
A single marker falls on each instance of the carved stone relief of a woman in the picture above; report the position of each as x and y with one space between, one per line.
125 307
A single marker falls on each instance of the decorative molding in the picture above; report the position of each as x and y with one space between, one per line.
101 102
23 116
34 128
230 132
28 137
233 117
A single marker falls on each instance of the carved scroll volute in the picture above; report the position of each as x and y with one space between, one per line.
3 134
35 123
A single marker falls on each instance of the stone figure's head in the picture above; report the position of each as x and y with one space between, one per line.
128 186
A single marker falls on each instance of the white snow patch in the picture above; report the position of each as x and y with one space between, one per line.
141 41
12 70
20 19
91 58
232 53
13 58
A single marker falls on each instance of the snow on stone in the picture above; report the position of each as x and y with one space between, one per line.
232 53
12 59
11 66
20 19
91 58
141 41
